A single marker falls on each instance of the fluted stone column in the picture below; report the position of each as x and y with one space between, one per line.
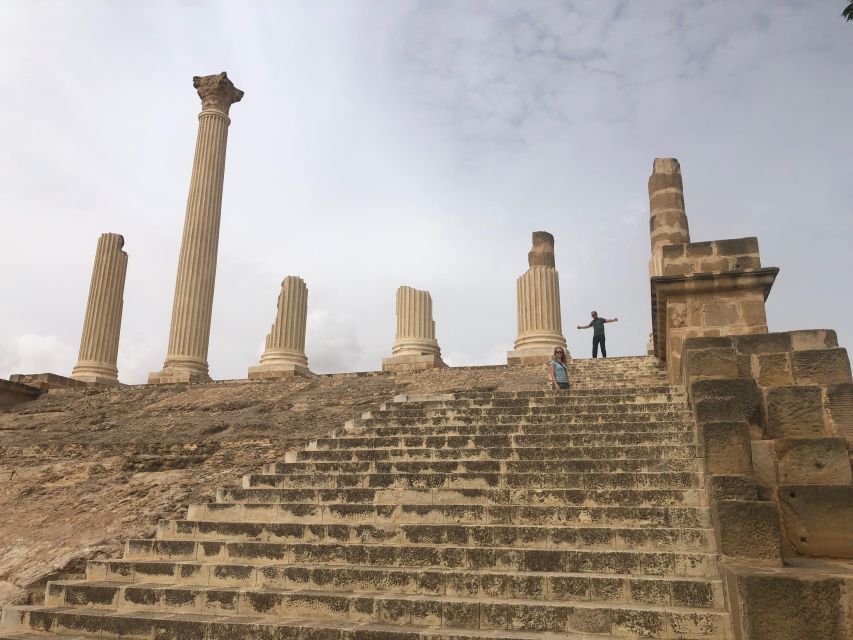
186 359
540 327
668 224
102 325
284 355
415 346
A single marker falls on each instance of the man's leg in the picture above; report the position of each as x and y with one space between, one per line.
603 349
594 346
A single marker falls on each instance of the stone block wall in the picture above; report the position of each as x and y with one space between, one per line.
715 256
775 416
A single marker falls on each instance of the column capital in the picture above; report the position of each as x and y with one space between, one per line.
217 92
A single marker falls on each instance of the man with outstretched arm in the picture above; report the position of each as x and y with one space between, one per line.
597 325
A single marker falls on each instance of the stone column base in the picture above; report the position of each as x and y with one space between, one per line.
537 355
266 371
412 363
167 376
94 379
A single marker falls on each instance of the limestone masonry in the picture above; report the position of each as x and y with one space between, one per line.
284 354
102 325
415 346
186 359
703 492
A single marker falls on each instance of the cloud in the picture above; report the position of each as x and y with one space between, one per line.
31 353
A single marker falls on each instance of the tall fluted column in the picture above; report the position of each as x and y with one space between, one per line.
284 355
186 359
668 223
415 346
102 325
540 327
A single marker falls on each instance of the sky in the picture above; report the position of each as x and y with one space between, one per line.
390 142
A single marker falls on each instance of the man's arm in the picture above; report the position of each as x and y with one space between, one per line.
614 320
586 326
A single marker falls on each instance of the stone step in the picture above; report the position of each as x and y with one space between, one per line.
683 480
404 598
457 618
555 413
495 441
585 419
573 398
628 562
489 429
633 516
571 535
565 466
501 453
648 386
520 497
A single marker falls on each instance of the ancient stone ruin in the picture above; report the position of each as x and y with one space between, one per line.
701 492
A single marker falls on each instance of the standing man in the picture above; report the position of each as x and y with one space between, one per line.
597 325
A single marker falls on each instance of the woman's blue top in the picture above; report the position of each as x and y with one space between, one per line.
560 372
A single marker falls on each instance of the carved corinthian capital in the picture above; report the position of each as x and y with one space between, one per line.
217 92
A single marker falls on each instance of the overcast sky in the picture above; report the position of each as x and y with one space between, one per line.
383 143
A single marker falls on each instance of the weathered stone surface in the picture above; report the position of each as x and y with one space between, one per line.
708 343
806 339
819 519
813 461
839 410
821 366
763 343
737 246
12 393
720 314
764 468
772 370
709 363
737 399
771 605
794 412
748 530
727 447
731 487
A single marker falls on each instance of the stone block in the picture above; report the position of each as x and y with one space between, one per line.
708 343
746 262
716 264
47 381
270 371
737 246
753 312
678 268
772 369
412 363
672 251
748 529
770 604
720 314
667 200
756 343
731 487
741 394
821 366
699 249
806 339
794 412
813 461
727 446
819 519
12 393
839 410
709 363
764 468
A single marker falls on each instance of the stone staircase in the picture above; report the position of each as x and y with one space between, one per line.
533 515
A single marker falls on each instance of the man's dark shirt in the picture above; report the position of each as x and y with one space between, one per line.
597 326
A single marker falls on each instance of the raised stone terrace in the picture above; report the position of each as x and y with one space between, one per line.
459 515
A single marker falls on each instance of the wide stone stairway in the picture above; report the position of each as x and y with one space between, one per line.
532 515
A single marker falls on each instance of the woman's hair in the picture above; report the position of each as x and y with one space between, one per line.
562 351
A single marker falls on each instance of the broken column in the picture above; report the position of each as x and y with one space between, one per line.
540 328
102 324
668 223
186 359
284 355
415 346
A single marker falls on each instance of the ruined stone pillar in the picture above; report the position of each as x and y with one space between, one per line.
415 346
668 224
284 355
102 325
186 359
540 327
